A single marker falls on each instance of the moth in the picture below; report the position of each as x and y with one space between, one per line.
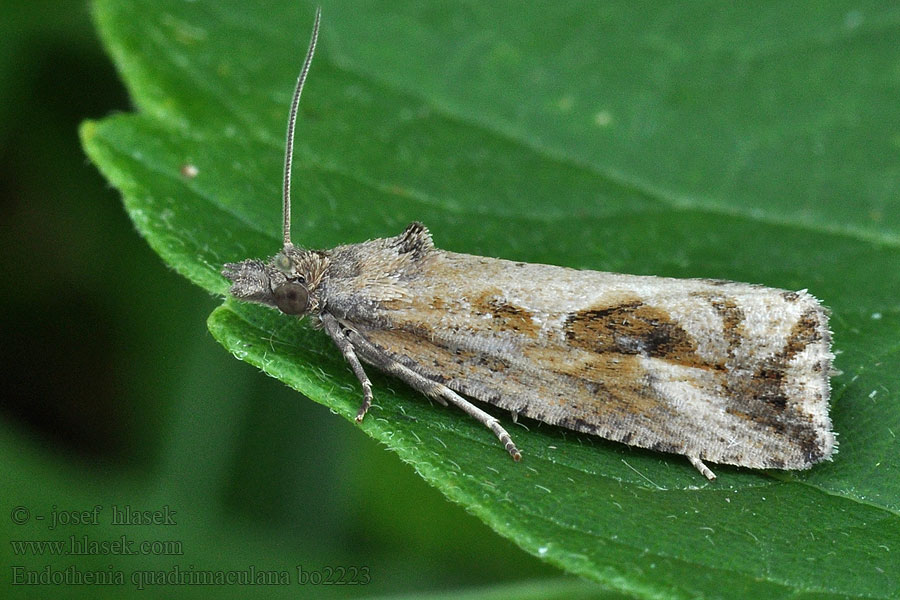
714 370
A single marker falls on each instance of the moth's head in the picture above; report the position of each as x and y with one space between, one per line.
288 281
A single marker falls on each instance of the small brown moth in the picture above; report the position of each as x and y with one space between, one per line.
727 372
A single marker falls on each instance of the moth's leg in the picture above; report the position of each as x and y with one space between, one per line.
346 348
433 389
698 464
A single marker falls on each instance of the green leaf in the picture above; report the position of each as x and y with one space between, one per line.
756 144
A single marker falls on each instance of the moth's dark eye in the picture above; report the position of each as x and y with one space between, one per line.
292 298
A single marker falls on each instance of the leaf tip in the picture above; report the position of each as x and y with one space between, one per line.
87 130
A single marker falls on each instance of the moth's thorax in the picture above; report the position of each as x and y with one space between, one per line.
308 266
289 281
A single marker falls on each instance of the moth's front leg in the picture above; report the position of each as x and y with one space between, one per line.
432 389
343 343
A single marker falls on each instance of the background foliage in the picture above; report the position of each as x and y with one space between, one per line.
759 147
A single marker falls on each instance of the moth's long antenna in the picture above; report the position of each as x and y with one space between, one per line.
292 120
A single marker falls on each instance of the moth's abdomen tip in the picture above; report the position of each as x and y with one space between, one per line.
516 456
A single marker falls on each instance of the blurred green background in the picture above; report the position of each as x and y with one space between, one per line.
118 395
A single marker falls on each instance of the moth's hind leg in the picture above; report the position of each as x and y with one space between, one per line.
698 464
433 389
343 343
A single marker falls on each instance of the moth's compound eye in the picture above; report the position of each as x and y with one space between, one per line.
292 298
282 263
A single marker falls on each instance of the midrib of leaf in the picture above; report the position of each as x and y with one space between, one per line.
647 189
824 39
653 192
835 494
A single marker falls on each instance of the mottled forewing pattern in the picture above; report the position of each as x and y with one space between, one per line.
728 372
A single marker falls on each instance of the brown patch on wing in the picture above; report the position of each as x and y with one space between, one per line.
806 331
505 315
763 399
632 328
614 384
732 320
589 366
420 304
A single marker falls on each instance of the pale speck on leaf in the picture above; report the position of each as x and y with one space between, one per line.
603 118
853 19
565 103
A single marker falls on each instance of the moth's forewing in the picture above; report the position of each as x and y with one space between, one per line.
729 372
